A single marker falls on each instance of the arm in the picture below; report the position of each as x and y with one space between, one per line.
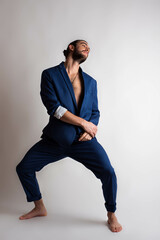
52 104
69 117
89 127
48 94
95 111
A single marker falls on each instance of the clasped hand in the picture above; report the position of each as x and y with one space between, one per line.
90 131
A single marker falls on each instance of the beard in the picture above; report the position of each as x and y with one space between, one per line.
78 56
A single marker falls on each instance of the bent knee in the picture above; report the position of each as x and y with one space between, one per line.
18 168
109 171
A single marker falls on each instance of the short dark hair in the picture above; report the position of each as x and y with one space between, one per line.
74 43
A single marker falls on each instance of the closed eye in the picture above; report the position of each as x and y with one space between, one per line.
85 45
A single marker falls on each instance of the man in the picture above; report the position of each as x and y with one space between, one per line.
70 97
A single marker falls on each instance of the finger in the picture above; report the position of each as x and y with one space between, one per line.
82 139
83 136
87 137
92 134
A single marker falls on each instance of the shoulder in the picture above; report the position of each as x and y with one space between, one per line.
92 81
50 70
89 77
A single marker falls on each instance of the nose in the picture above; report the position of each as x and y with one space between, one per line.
87 49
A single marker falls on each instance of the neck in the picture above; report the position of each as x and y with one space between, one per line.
72 67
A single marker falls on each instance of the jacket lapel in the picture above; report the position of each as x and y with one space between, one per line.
70 87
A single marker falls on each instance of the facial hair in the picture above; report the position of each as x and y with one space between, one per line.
78 56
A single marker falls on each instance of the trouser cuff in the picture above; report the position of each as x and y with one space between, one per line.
110 208
34 198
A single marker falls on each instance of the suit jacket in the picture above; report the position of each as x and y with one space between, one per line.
57 90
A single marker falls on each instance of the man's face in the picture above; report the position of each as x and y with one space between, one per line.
81 51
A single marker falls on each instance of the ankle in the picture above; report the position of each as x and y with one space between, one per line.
110 214
39 204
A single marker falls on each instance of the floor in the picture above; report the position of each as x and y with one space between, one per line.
77 223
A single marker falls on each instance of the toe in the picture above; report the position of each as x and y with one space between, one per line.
119 228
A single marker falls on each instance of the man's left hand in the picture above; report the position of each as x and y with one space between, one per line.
85 137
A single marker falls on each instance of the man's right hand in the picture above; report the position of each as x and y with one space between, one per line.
89 127
71 118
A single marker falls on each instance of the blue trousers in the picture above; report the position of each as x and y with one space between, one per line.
90 153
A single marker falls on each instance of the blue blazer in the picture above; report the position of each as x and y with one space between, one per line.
57 90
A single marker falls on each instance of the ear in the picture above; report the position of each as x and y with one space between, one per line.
71 47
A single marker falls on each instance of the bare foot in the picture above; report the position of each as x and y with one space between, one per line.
35 212
113 223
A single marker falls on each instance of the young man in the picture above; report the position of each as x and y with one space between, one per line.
70 97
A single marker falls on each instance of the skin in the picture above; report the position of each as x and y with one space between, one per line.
76 56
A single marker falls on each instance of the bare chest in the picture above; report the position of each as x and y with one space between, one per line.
78 87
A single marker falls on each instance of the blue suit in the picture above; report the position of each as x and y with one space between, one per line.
57 90
60 139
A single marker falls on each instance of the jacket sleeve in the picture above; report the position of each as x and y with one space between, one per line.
95 111
60 111
48 94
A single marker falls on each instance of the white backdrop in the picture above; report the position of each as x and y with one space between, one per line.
124 37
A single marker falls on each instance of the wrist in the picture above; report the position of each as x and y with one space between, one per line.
82 122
